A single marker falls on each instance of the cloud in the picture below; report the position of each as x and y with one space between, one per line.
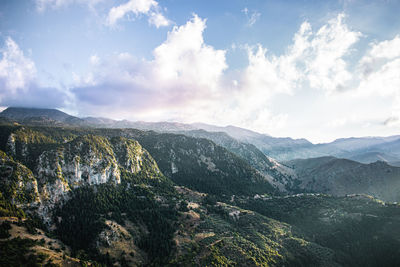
379 54
42 5
316 59
252 19
379 74
189 80
18 85
326 67
138 7
158 20
392 121
16 71
184 73
184 56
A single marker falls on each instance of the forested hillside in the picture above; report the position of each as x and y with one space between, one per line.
125 197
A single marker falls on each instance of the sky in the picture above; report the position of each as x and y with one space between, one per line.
319 70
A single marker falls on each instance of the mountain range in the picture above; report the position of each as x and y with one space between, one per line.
363 149
98 192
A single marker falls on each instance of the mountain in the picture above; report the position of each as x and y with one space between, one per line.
65 189
276 173
57 168
342 177
233 131
369 157
140 125
363 149
17 113
199 163
280 148
73 196
358 228
38 116
195 162
353 143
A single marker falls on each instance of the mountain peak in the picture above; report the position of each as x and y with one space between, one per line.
26 114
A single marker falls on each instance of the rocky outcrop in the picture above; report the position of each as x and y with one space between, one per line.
58 168
132 157
17 182
201 164
85 160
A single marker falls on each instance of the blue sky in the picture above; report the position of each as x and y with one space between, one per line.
314 69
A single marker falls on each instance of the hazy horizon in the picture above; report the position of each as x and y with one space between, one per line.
319 70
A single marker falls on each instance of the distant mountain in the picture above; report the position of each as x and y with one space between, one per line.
140 125
280 148
342 176
276 173
354 143
17 113
369 157
233 131
39 116
363 149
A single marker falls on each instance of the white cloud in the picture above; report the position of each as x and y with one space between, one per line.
384 82
378 55
16 71
185 57
326 67
18 81
94 60
252 19
42 5
316 59
386 49
184 73
138 7
158 20
380 77
187 80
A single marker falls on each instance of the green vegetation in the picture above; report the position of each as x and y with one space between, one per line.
165 227
83 217
17 252
7 209
18 183
196 163
4 227
351 226
202 165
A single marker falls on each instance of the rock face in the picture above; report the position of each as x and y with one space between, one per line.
132 157
115 240
17 181
201 164
85 160
57 168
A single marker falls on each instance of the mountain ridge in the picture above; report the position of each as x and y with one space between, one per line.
104 201
279 148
